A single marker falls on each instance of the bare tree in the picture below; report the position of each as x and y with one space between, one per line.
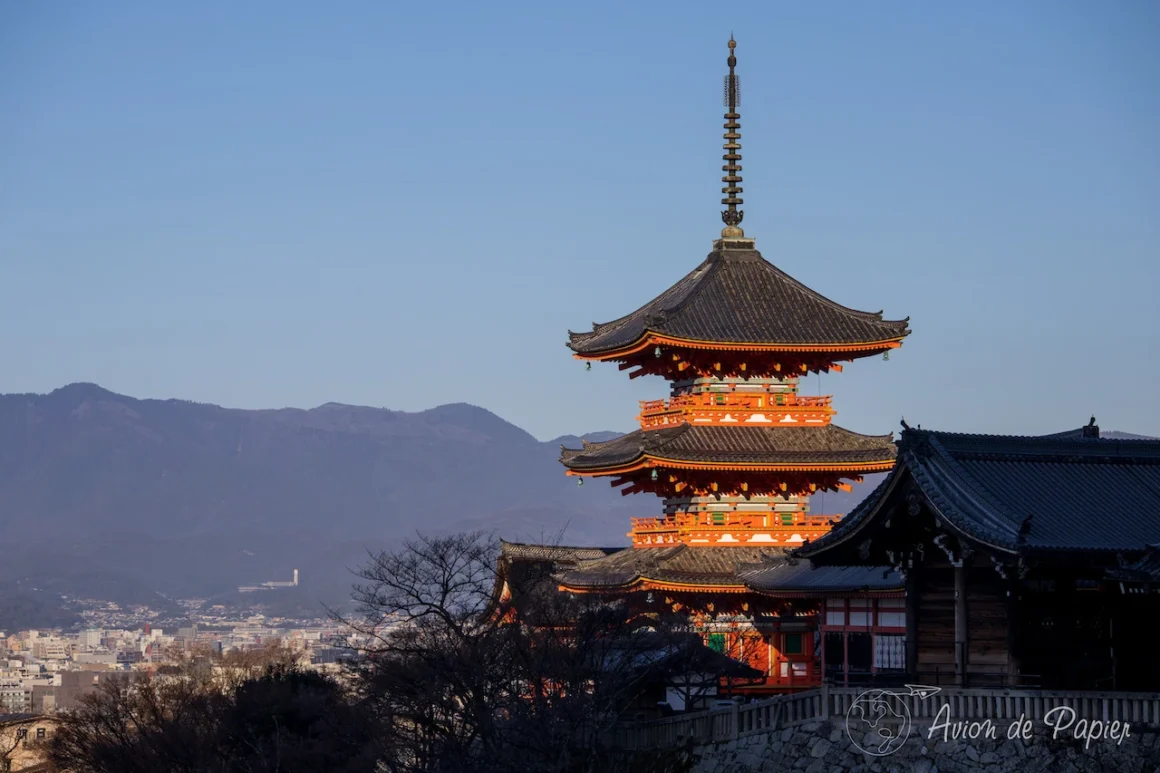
465 680
139 726
284 720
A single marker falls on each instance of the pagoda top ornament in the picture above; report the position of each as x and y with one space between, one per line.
732 216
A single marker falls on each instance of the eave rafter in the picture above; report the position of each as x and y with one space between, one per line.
668 477
734 481
679 358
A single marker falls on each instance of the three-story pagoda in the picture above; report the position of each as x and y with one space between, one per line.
736 450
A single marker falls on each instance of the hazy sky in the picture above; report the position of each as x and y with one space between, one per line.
269 204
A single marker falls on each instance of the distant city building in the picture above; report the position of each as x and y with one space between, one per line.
13 698
270 585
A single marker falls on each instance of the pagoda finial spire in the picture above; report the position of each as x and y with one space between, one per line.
732 216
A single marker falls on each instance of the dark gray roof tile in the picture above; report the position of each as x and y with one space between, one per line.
737 444
736 296
1059 492
799 578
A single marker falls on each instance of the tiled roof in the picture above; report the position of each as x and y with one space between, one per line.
799 578
679 564
1078 434
1145 570
766 570
528 552
1052 493
736 296
736 444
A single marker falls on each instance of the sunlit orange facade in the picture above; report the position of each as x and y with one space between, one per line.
735 450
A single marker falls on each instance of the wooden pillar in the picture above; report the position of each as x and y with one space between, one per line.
912 598
1013 636
960 571
1113 601
846 654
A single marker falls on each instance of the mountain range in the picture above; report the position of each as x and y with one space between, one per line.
107 496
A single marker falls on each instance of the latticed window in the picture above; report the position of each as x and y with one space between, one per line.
717 642
889 651
793 644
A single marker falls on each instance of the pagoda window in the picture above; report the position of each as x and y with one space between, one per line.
718 519
717 642
836 612
793 644
787 519
860 612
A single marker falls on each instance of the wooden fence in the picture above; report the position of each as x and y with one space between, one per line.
783 711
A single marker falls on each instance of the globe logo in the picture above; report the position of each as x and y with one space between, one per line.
878 721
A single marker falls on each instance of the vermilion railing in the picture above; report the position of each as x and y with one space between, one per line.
733 520
733 400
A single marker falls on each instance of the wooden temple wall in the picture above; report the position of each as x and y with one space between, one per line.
935 602
988 656
942 639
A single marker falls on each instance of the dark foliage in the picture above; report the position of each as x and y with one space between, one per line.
285 720
460 681
459 671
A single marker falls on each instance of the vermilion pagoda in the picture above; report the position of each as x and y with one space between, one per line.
735 452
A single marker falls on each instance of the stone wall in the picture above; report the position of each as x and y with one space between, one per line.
826 747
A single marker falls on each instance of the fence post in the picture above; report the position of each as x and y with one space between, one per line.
734 723
824 696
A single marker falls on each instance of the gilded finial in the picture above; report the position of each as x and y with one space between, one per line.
732 216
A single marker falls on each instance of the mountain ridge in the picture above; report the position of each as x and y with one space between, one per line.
193 499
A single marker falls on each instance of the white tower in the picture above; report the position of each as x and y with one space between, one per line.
295 576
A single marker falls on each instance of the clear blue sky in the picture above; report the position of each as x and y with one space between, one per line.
270 204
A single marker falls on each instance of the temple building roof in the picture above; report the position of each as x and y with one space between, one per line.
1072 491
799 579
737 297
1145 571
726 445
678 565
558 553
769 571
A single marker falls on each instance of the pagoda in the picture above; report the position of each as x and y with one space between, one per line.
736 450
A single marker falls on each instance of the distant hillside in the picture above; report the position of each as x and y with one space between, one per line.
112 497
189 499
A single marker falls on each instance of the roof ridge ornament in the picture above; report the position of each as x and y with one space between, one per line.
732 216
